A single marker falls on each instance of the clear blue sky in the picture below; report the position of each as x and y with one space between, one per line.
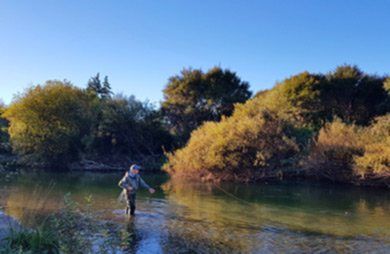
139 44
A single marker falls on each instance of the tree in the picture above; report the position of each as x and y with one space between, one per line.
48 122
4 137
384 107
305 92
347 93
353 95
103 90
194 97
128 128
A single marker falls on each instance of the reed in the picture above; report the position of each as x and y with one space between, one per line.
72 229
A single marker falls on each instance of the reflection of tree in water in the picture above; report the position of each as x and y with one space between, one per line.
294 216
198 226
31 204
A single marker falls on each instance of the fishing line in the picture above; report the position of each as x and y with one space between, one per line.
231 195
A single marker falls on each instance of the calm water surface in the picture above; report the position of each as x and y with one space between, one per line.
184 217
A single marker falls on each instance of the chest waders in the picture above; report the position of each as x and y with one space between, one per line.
130 203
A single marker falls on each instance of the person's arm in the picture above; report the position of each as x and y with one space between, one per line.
123 183
145 185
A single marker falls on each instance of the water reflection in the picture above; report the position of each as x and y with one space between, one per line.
183 217
251 218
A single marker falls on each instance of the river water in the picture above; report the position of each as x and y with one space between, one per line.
185 217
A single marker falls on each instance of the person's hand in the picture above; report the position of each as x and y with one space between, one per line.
151 190
129 188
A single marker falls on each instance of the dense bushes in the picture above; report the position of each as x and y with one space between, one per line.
376 158
346 153
333 151
240 148
294 122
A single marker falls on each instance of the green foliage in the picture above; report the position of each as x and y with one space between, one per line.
74 225
128 127
303 90
235 146
4 136
304 93
30 241
79 229
47 123
95 86
194 97
353 95
58 124
311 100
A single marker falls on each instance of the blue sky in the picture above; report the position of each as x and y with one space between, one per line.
139 44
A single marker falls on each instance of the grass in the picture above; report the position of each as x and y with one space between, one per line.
72 229
23 240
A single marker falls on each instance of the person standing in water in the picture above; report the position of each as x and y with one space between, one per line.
130 183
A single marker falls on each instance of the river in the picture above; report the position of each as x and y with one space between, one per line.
185 217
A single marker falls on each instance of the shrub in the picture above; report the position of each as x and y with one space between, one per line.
376 159
237 147
333 152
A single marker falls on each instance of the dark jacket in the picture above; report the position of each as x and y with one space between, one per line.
134 182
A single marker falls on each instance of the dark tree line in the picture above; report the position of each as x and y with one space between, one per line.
347 93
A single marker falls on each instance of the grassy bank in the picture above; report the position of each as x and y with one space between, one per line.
73 229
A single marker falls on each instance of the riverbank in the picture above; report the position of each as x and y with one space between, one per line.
263 176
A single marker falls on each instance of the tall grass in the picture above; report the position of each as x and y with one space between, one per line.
72 229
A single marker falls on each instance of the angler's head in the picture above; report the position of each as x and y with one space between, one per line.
135 169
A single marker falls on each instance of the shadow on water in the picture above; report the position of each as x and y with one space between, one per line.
184 217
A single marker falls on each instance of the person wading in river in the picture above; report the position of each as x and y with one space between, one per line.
130 183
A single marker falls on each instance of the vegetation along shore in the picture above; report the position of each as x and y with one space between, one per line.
333 126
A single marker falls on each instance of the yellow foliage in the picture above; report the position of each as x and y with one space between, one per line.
45 122
235 145
376 158
339 142
351 150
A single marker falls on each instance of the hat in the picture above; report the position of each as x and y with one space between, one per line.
135 167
